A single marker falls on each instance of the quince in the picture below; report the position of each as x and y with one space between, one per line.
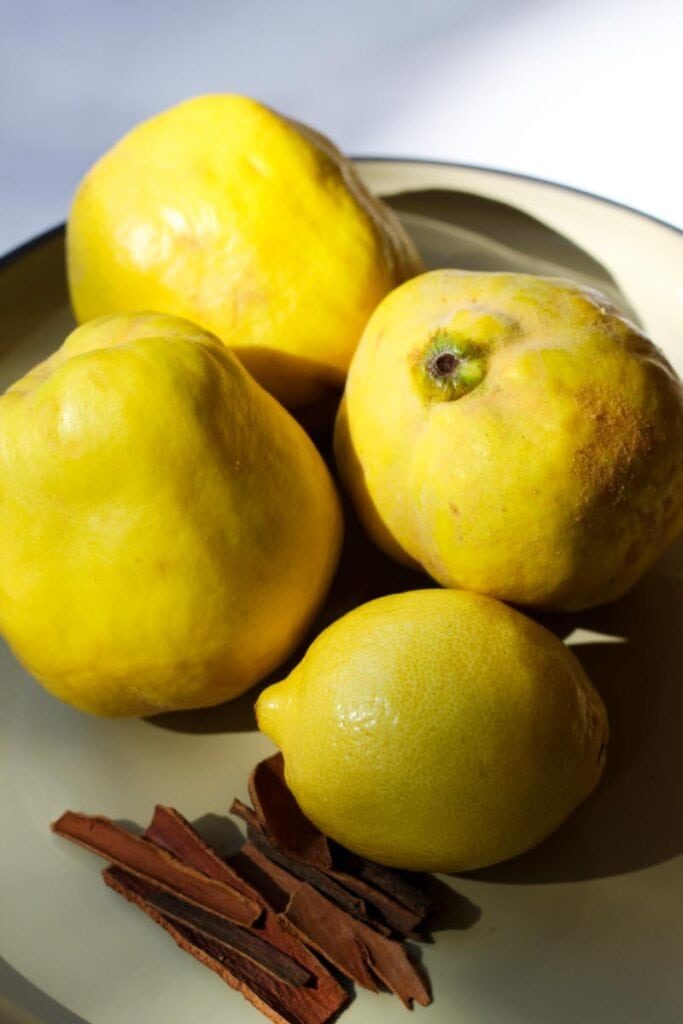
515 436
252 225
169 530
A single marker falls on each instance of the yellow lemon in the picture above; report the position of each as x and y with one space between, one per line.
437 730
168 529
515 436
248 223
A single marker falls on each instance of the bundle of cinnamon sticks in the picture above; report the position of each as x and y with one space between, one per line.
276 918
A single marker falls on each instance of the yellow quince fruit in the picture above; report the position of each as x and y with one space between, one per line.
437 730
248 223
169 530
515 436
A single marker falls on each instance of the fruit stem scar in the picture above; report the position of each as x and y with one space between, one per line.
449 366
444 364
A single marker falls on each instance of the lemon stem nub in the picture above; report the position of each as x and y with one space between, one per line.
270 709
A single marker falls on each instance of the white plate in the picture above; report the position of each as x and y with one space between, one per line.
587 929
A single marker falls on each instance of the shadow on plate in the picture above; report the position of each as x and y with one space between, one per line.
27 1003
634 819
453 910
478 233
234 716
220 832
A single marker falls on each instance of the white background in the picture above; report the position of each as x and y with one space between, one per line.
585 92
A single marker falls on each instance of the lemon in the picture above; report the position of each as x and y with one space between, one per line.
437 730
515 436
168 529
252 225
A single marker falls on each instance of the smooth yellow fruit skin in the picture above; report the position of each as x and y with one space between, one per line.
437 730
169 530
556 480
250 224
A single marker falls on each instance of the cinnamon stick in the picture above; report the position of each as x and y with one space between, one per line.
408 888
241 940
333 944
169 829
156 866
399 918
285 823
279 1002
305 873
172 831
275 884
356 949
259 919
341 896
314 917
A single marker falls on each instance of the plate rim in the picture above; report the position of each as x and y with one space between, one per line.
34 241
43 1013
519 176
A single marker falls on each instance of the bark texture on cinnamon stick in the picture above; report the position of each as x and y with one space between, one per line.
322 881
170 830
359 951
137 856
245 941
287 826
279 1002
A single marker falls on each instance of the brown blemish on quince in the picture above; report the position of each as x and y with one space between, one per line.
619 437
